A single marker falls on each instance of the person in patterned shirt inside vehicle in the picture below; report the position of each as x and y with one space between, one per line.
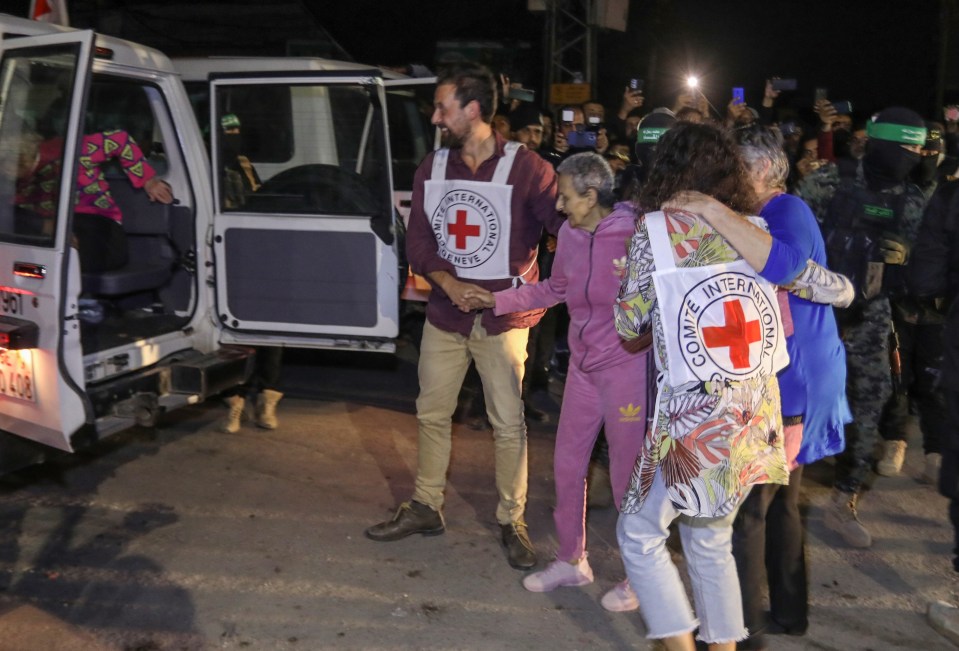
98 233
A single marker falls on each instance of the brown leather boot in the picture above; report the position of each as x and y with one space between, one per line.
412 517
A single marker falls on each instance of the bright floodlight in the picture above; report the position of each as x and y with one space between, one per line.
692 81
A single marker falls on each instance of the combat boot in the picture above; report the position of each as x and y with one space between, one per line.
266 409
933 466
893 456
842 517
944 617
231 424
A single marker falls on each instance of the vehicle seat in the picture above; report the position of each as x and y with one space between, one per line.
136 276
152 256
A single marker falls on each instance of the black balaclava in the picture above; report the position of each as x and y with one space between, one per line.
651 129
927 170
886 163
231 140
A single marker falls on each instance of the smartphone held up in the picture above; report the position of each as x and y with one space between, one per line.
522 94
843 107
780 84
581 139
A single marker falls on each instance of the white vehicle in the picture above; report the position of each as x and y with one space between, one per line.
285 120
310 259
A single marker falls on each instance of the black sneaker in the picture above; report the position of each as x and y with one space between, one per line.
775 628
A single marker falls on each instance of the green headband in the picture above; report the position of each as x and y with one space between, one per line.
896 133
230 121
651 134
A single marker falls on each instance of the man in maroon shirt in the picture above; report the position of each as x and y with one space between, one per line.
479 208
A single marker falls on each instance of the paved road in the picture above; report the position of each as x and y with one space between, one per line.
185 539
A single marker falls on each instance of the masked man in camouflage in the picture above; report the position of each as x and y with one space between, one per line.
867 222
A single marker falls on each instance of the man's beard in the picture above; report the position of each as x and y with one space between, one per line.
453 141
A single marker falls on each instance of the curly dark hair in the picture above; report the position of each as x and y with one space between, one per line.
698 157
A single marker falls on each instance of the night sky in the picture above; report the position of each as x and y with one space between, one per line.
859 50
874 53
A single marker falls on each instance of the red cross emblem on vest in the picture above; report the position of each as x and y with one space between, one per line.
736 335
460 230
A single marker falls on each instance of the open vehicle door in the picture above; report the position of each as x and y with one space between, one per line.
304 228
412 136
409 104
42 85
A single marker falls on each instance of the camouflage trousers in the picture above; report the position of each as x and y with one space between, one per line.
868 387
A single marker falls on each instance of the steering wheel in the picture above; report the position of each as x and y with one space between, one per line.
321 188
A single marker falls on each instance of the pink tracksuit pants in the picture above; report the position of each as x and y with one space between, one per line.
614 396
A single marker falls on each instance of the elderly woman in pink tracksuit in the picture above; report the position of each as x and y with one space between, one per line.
607 377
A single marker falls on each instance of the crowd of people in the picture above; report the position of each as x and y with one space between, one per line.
743 298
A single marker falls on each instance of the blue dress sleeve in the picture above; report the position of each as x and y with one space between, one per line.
793 238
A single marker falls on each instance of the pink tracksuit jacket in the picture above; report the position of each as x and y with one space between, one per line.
607 379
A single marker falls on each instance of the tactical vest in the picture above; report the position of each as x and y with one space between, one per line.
855 221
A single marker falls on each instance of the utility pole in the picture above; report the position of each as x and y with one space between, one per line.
947 16
570 43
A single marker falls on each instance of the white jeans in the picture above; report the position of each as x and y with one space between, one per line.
707 546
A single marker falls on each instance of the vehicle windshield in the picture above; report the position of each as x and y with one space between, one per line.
301 148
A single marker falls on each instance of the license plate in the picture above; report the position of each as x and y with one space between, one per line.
16 375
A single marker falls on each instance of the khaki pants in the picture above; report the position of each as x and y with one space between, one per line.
444 360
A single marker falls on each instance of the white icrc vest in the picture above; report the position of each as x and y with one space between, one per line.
471 220
719 322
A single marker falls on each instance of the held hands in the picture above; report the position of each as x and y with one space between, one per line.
468 297
480 298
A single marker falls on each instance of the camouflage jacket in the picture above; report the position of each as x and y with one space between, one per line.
818 188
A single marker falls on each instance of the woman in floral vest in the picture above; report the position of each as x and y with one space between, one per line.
717 426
